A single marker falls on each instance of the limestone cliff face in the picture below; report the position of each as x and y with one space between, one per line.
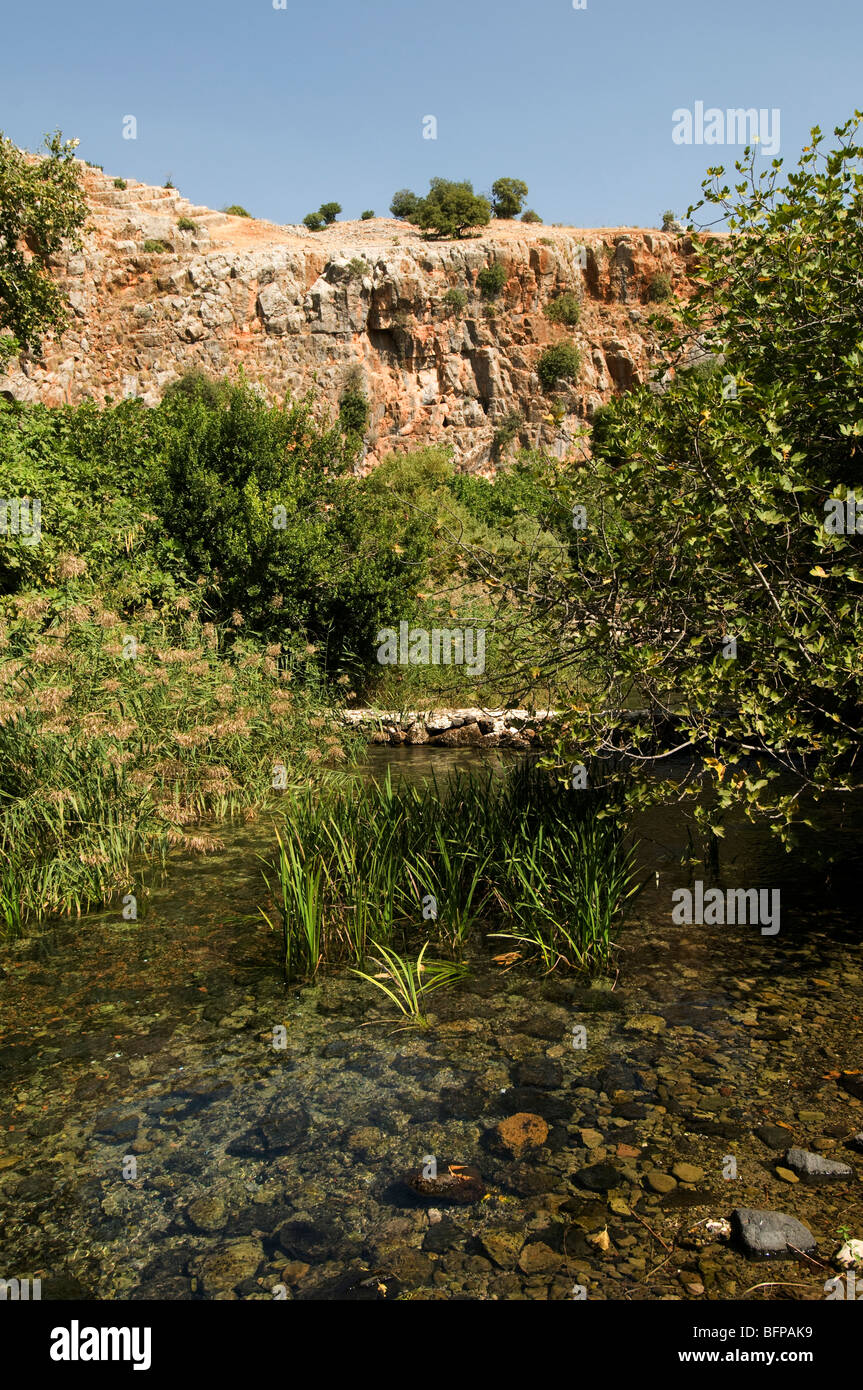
297 311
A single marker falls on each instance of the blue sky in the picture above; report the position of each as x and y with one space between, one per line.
282 109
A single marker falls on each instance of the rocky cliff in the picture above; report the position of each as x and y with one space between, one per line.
299 311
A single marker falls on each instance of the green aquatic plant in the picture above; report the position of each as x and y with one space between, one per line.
407 982
301 906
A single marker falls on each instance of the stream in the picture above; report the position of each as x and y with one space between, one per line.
158 1142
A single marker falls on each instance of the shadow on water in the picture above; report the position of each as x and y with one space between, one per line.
155 1142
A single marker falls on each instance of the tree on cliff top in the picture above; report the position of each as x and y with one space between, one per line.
508 197
449 209
41 208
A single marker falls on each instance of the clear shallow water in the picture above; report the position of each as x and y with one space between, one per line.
260 1169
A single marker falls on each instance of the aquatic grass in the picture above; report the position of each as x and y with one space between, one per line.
407 983
301 906
517 855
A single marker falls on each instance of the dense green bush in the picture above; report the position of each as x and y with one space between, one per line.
154 247
120 183
659 289
566 308
329 211
367 215
491 280
557 363
313 221
185 224
530 216
236 210
456 300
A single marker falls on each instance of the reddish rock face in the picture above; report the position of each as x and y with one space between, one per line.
300 311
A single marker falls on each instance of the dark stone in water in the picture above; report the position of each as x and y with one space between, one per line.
163 1290
310 1241
599 1177
722 1129
528 1099
772 1135
460 1103
853 1085
65 1286
619 1077
358 1287
277 1133
260 1216
540 1072
629 1110
680 1200
526 1180
770 1234
445 1235
113 1128
856 1142
456 1184
541 1027
339 1048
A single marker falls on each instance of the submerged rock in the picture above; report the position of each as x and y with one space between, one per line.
769 1234
456 1184
814 1168
520 1134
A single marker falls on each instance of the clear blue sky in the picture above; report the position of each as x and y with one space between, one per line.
281 110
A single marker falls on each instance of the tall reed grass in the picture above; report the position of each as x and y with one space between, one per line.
366 867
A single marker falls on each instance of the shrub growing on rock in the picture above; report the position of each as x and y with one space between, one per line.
236 210
530 216
329 211
659 288
491 280
313 221
367 215
566 308
456 300
557 363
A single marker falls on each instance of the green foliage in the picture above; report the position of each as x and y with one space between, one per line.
660 289
120 183
329 211
668 220
360 865
153 247
358 268
236 210
354 407
42 209
491 280
506 432
404 205
530 216
456 300
566 309
508 197
367 215
450 209
559 362
712 501
185 224
169 183
314 221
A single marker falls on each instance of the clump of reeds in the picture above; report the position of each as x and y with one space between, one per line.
365 867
